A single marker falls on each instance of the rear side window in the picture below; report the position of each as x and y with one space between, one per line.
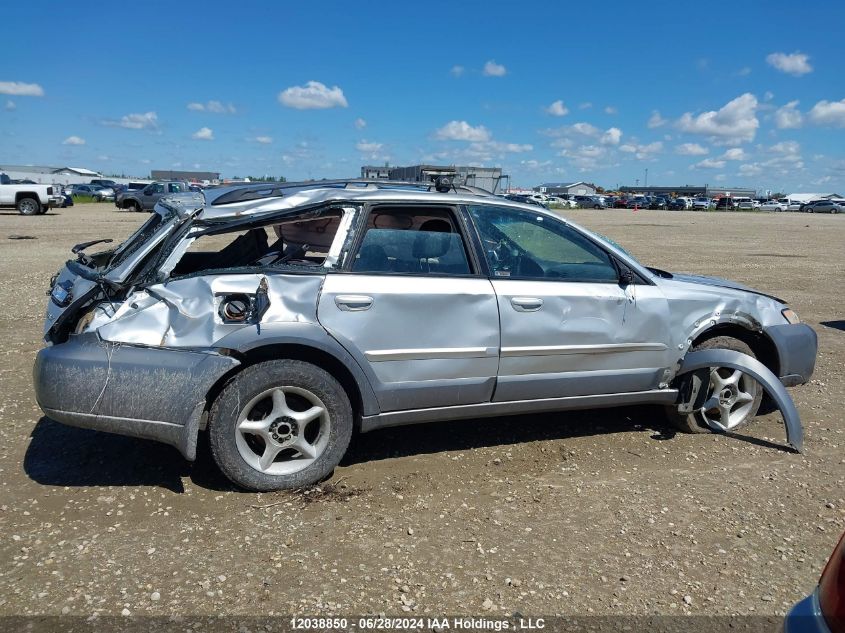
412 241
523 245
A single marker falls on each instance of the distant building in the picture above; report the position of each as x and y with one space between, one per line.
488 178
693 190
191 176
47 174
569 188
808 197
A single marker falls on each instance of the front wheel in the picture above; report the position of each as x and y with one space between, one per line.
280 424
732 400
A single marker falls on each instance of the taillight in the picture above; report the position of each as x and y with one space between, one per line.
832 589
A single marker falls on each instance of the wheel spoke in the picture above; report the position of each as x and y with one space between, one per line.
256 427
716 380
269 454
280 404
725 416
304 417
305 449
743 396
711 403
734 377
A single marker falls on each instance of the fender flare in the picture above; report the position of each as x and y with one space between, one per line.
757 370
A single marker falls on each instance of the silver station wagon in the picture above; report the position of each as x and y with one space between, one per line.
283 318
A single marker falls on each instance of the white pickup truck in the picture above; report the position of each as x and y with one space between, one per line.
28 199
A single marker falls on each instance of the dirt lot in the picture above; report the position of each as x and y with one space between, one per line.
603 512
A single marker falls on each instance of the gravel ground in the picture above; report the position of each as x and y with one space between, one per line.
594 512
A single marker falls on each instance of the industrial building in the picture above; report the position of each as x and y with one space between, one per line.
693 190
49 175
488 178
211 177
566 188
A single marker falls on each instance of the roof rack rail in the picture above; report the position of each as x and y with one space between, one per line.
262 190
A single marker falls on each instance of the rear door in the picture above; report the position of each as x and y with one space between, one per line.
568 326
414 311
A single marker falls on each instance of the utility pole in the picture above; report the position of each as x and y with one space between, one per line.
646 176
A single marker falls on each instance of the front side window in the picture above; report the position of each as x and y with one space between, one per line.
416 241
523 245
174 187
157 188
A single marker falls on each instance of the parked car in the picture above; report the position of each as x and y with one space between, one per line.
774 205
794 205
743 204
28 199
104 182
620 203
725 203
678 204
823 206
702 203
281 317
658 202
589 202
638 202
146 198
823 611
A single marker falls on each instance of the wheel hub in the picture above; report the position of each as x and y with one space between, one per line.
728 396
283 429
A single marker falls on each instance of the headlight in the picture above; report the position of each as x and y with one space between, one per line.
790 316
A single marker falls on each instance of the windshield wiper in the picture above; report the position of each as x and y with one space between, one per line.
83 245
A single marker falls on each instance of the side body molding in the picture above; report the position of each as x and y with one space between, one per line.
754 368
304 334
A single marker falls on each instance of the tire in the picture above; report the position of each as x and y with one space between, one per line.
134 206
250 421
29 206
696 422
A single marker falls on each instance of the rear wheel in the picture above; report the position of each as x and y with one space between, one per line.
29 206
280 424
134 206
733 397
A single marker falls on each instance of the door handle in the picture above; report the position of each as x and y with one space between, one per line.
353 303
526 304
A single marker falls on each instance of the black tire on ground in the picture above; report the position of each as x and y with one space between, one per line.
257 379
29 205
134 206
693 422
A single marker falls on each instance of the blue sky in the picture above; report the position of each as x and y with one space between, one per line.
732 93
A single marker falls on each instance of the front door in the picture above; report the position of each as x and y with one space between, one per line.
568 326
414 312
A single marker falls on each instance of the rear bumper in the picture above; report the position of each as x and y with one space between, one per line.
153 393
797 346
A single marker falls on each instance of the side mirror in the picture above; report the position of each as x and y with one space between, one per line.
626 276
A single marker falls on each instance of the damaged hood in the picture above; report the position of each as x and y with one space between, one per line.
719 282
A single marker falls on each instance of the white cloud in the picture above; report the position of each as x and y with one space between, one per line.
73 140
586 129
610 110
462 131
20 89
750 169
203 134
264 140
796 63
612 136
690 149
709 163
217 107
585 157
360 123
557 109
744 71
830 113
492 69
736 122
655 120
457 70
10 105
499 147
788 117
768 95
734 153
642 151
368 147
145 121
313 96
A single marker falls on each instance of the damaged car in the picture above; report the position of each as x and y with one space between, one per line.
282 318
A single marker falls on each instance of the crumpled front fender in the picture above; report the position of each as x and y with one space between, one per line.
758 371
